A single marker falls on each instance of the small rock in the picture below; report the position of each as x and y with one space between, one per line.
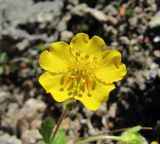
32 108
112 110
136 48
112 20
133 22
155 20
114 44
99 15
156 53
66 35
30 136
83 9
122 11
149 2
124 40
7 139
110 10
156 39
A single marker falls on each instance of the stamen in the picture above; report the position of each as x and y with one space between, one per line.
71 85
94 58
77 54
82 88
89 95
88 84
87 56
93 85
61 89
62 80
75 92
80 95
70 93
79 79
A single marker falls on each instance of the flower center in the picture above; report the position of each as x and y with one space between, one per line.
80 78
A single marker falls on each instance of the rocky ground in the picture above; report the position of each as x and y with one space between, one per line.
27 27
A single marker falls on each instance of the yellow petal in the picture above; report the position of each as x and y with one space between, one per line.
111 56
62 50
111 73
52 84
96 46
79 43
110 68
97 96
82 45
57 59
51 62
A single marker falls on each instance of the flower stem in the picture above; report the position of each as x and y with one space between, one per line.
59 122
100 137
123 129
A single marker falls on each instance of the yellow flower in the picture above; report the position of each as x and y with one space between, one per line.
154 142
84 70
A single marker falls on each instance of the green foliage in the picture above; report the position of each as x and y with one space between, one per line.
60 137
116 3
46 132
132 136
3 58
129 12
40 47
84 27
46 129
1 70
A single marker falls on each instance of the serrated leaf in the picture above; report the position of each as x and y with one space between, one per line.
46 129
60 137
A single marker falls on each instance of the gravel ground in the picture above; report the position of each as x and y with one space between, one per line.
27 27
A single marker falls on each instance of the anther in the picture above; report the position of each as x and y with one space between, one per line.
94 58
62 80
82 88
61 89
71 86
77 54
80 95
89 95
87 56
75 92
93 85
70 93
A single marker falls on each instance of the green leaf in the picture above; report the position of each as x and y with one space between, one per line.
40 47
132 136
129 12
84 27
1 70
60 137
3 57
134 129
116 4
46 129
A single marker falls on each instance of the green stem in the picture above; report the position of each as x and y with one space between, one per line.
123 129
59 123
100 137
